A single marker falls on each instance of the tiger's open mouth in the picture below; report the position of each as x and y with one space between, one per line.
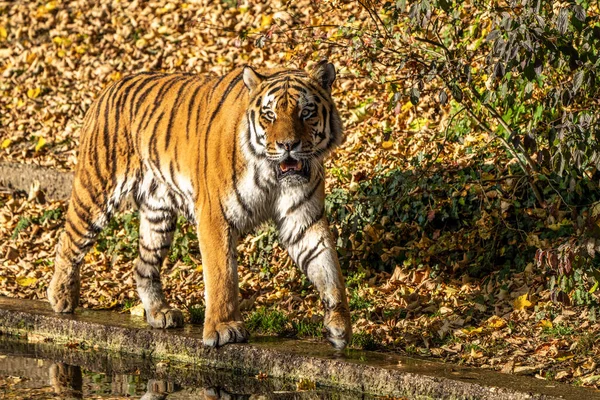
293 167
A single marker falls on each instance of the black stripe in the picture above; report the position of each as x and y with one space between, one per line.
156 259
299 88
238 196
305 261
167 229
307 196
136 101
189 114
300 236
175 186
158 100
158 220
174 108
228 90
154 274
227 220
79 247
273 90
258 183
155 249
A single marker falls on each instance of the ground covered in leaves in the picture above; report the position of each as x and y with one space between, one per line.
437 228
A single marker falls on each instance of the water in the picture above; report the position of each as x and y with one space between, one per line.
47 371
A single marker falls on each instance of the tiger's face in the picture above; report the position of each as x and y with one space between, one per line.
293 121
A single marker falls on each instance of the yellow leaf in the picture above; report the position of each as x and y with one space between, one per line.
554 227
33 93
115 76
496 322
565 357
470 331
266 21
31 58
546 324
51 5
3 33
476 354
387 145
521 302
41 143
141 43
24 281
199 268
5 143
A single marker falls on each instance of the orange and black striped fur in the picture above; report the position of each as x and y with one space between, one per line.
226 152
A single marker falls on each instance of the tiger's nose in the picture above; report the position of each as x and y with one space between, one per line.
289 145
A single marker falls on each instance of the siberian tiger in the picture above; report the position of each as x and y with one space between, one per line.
228 153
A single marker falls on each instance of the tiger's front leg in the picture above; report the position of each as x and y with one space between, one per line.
223 321
312 249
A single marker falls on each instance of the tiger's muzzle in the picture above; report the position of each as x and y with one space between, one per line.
293 171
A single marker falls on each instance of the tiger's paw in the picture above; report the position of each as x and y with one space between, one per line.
225 332
165 318
63 296
338 329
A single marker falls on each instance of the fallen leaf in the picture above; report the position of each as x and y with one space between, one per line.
387 145
496 322
26 281
33 93
521 302
40 144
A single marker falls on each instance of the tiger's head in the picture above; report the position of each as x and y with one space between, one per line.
292 120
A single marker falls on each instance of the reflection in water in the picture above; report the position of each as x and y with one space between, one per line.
66 380
67 383
32 377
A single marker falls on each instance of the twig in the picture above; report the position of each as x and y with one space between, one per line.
513 152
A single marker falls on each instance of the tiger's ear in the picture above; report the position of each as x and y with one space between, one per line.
252 78
324 73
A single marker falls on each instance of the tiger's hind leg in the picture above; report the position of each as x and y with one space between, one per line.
88 212
157 227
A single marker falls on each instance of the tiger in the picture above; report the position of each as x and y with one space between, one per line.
228 153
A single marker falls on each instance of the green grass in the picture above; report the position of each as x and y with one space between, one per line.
126 247
267 321
357 302
23 224
558 331
197 312
364 341
47 215
128 303
275 322
308 329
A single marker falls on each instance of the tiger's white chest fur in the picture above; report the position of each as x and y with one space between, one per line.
258 196
252 196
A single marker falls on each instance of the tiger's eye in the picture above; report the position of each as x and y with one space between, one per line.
305 113
269 115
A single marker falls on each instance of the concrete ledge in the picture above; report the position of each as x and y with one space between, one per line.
366 372
55 184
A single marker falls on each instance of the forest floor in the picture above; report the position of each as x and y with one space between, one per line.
437 233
